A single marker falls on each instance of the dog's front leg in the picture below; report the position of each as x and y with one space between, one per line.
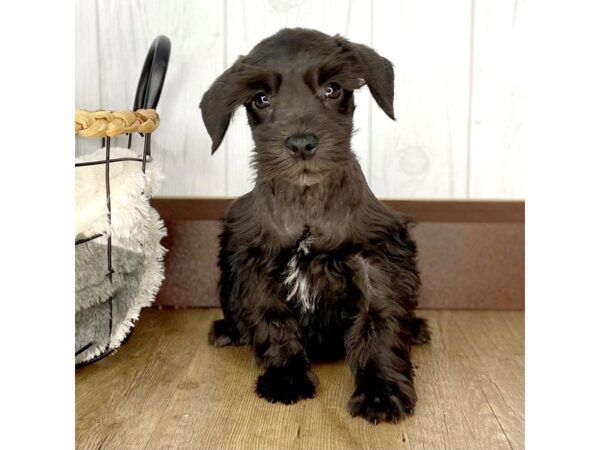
378 344
278 343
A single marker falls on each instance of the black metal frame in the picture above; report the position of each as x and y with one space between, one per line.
147 96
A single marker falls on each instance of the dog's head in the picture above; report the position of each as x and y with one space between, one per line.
297 87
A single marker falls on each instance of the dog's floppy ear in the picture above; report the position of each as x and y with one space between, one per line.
378 73
219 103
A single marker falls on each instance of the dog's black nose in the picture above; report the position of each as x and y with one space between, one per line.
303 145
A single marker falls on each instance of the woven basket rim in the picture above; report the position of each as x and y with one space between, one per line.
109 123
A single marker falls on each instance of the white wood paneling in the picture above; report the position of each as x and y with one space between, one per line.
248 22
496 153
424 152
87 86
458 87
126 29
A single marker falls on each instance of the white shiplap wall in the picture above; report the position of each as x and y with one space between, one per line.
458 98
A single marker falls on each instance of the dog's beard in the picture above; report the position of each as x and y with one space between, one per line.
277 164
272 161
308 176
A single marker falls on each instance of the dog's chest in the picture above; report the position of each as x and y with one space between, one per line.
297 277
309 276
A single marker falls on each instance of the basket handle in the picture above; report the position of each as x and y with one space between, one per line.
153 74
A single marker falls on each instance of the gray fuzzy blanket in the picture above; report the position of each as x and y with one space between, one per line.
137 256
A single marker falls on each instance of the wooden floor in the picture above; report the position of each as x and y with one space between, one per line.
167 388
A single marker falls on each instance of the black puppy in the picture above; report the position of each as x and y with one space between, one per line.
312 265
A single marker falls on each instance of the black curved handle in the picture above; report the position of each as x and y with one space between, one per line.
153 74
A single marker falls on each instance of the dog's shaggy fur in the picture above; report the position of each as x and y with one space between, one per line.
313 266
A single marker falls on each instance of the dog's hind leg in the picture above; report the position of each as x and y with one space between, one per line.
223 333
227 331
419 331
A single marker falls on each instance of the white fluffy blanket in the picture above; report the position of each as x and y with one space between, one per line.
137 256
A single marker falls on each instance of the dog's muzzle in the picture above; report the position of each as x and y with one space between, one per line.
302 146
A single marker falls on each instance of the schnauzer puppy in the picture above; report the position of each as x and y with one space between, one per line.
313 266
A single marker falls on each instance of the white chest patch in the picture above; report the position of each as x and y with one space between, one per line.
297 281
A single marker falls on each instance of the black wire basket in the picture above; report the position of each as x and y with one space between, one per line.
107 125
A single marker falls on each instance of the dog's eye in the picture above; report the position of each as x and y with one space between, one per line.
261 100
333 90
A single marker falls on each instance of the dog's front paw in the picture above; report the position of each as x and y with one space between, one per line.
382 405
286 385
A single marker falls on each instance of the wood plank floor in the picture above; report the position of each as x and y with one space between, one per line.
168 389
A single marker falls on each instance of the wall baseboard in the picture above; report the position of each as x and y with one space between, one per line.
471 253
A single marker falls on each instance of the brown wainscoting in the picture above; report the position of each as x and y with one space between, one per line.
190 208
471 253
